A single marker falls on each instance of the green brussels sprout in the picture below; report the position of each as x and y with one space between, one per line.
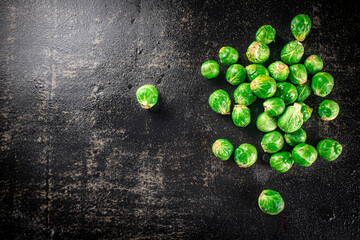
314 64
287 92
329 149
322 83
294 138
271 202
328 110
274 106
258 52
281 161
306 111
220 102
298 74
147 95
304 91
243 95
210 69
263 86
292 52
222 149
272 142
255 70
279 71
228 55
265 123
265 34
304 154
300 26
241 115
235 74
292 119
245 155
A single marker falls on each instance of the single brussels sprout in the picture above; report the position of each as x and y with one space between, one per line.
210 69
271 202
292 119
241 115
274 106
314 64
265 34
228 55
220 102
263 86
279 71
222 149
243 95
281 161
304 91
147 95
258 52
294 138
329 149
287 92
292 52
272 142
328 110
304 154
306 111
298 74
300 26
245 155
255 70
265 123
235 74
322 83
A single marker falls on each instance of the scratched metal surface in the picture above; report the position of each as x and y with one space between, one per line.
81 160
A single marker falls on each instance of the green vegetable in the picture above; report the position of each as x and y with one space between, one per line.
292 52
272 142
287 92
304 91
243 95
328 110
274 106
265 34
300 26
241 115
220 102
298 74
222 149
228 55
245 155
235 74
271 202
306 111
279 71
281 161
265 123
263 86
255 70
147 95
258 52
329 149
322 83
304 154
314 64
210 69
292 119
294 138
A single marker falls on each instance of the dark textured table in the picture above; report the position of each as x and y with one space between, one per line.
80 159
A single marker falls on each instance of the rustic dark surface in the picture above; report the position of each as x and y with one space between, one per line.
81 160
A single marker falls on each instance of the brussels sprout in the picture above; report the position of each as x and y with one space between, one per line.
263 86
271 202
306 111
147 95
258 52
281 161
322 83
328 110
292 119
265 123
222 149
241 115
287 92
300 26
294 138
245 155
274 106
279 71
243 95
292 52
265 34
235 74
272 142
210 69
298 74
313 64
228 55
304 91
329 149
255 70
220 102
304 154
